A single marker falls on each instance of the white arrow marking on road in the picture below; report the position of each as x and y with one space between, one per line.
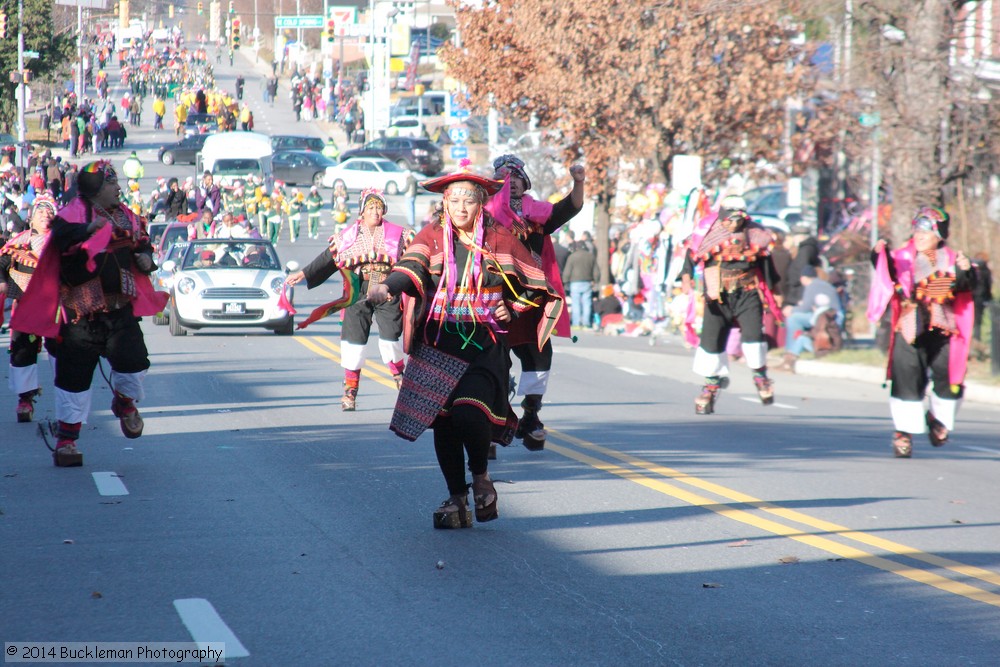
207 627
631 371
109 484
777 405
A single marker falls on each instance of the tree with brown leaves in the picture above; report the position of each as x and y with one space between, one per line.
627 81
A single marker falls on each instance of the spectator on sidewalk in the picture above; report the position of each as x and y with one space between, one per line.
580 273
982 294
818 296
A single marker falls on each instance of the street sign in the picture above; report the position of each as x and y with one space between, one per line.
309 21
30 54
870 119
459 152
458 135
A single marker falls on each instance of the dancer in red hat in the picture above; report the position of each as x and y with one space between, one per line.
466 278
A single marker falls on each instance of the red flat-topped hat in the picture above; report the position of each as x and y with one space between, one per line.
440 183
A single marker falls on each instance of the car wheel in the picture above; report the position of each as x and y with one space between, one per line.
391 188
175 323
168 158
318 179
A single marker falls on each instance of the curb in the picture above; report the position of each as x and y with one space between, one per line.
976 392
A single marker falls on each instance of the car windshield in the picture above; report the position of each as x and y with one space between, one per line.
174 232
215 254
236 166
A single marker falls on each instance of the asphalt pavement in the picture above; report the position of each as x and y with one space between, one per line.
255 512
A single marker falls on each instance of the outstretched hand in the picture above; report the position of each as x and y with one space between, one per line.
962 262
880 245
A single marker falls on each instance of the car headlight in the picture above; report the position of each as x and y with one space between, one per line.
185 285
277 284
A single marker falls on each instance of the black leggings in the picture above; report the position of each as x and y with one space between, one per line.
466 430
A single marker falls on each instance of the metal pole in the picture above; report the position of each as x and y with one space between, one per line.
21 129
79 29
876 180
298 14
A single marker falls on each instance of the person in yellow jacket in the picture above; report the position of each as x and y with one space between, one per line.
245 117
159 110
180 117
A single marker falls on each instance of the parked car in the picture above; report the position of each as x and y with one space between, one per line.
769 200
414 154
164 279
407 127
358 173
200 123
301 167
285 142
172 232
184 151
228 283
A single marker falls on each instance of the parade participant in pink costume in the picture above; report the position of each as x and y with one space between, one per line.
89 290
734 254
928 287
370 247
534 222
18 260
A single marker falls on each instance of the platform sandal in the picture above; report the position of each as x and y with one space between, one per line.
453 513
485 496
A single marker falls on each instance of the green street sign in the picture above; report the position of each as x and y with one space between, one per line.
870 119
310 21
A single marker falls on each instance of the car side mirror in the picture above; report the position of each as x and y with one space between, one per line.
169 266
291 266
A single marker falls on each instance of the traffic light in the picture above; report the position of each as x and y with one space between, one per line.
3 25
331 30
170 11
236 35
232 7
201 8
116 9
123 14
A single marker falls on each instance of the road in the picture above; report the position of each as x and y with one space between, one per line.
642 535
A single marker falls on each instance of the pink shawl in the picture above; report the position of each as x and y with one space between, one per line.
883 294
537 212
39 310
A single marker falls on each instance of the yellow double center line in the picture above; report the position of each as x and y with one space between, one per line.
326 348
652 475
814 539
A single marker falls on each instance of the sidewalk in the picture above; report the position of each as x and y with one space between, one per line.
974 391
264 69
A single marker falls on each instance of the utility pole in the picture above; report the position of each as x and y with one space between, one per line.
21 129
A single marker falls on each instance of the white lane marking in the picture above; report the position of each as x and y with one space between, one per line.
207 627
630 371
784 406
109 484
981 449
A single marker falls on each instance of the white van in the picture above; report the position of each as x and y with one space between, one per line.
233 156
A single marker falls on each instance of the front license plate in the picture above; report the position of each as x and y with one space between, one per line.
234 308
